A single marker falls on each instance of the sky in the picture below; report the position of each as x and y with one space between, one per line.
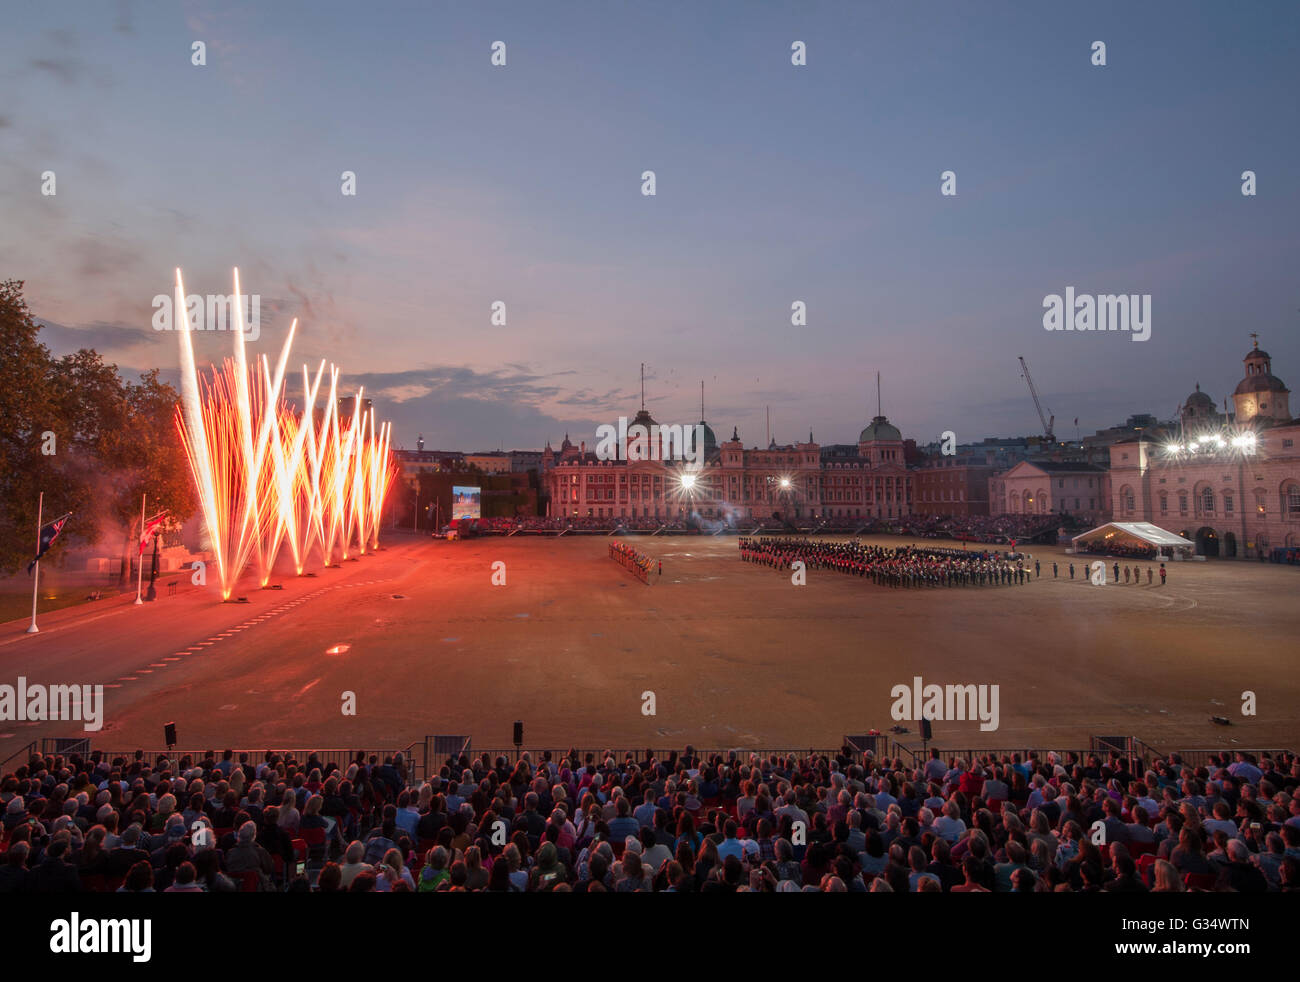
775 183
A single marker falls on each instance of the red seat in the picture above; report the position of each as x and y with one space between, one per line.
1200 881
250 881
618 848
313 837
1146 865
1136 849
299 850
95 883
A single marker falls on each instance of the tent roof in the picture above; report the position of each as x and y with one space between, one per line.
1144 531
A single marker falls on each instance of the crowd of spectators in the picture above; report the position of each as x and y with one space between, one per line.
680 822
973 528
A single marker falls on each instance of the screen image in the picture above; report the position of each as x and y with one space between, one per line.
464 502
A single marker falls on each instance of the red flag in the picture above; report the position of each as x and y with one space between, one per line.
149 527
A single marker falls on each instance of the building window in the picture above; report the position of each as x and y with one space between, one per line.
1227 504
1182 503
1164 503
1207 501
1293 501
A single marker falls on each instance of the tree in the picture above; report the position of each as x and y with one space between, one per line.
27 411
114 441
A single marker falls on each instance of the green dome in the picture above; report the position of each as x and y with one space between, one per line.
880 429
710 441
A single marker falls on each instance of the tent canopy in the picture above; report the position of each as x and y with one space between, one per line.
1125 533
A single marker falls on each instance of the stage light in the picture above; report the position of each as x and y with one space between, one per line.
785 482
687 481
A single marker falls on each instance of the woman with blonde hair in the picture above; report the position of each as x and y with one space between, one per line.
391 871
289 819
1168 879
476 877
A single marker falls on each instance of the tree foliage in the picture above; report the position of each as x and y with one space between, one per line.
114 440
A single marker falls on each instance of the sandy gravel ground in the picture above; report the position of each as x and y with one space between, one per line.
735 655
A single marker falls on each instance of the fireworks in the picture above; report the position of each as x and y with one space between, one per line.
269 474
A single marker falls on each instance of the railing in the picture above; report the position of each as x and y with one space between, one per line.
1200 758
412 754
426 757
25 753
536 754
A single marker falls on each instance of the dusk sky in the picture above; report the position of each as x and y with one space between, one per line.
775 183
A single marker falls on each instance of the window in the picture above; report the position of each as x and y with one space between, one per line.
1164 503
1182 503
1293 501
1207 501
1227 504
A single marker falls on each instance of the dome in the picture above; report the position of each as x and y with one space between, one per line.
1260 383
1257 353
710 441
643 418
880 429
1199 399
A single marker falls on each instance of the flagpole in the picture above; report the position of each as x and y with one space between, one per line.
40 505
139 567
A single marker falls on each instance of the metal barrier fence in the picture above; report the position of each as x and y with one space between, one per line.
413 754
537 754
427 757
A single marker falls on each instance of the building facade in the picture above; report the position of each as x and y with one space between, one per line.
1052 488
952 486
1228 481
787 482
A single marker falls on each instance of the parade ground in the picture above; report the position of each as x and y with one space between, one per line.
734 654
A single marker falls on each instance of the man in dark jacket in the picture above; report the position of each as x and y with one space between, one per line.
56 874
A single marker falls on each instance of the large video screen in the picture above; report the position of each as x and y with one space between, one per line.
464 502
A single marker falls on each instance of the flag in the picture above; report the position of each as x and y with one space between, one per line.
48 534
149 527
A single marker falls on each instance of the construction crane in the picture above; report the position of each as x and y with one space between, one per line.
1043 418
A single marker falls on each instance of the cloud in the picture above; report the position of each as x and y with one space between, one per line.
101 336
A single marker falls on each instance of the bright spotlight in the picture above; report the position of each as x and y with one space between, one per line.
785 482
1172 448
688 481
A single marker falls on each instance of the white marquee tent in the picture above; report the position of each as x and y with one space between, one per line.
1133 533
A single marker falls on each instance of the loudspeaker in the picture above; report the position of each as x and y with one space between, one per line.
925 729
519 733
169 734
